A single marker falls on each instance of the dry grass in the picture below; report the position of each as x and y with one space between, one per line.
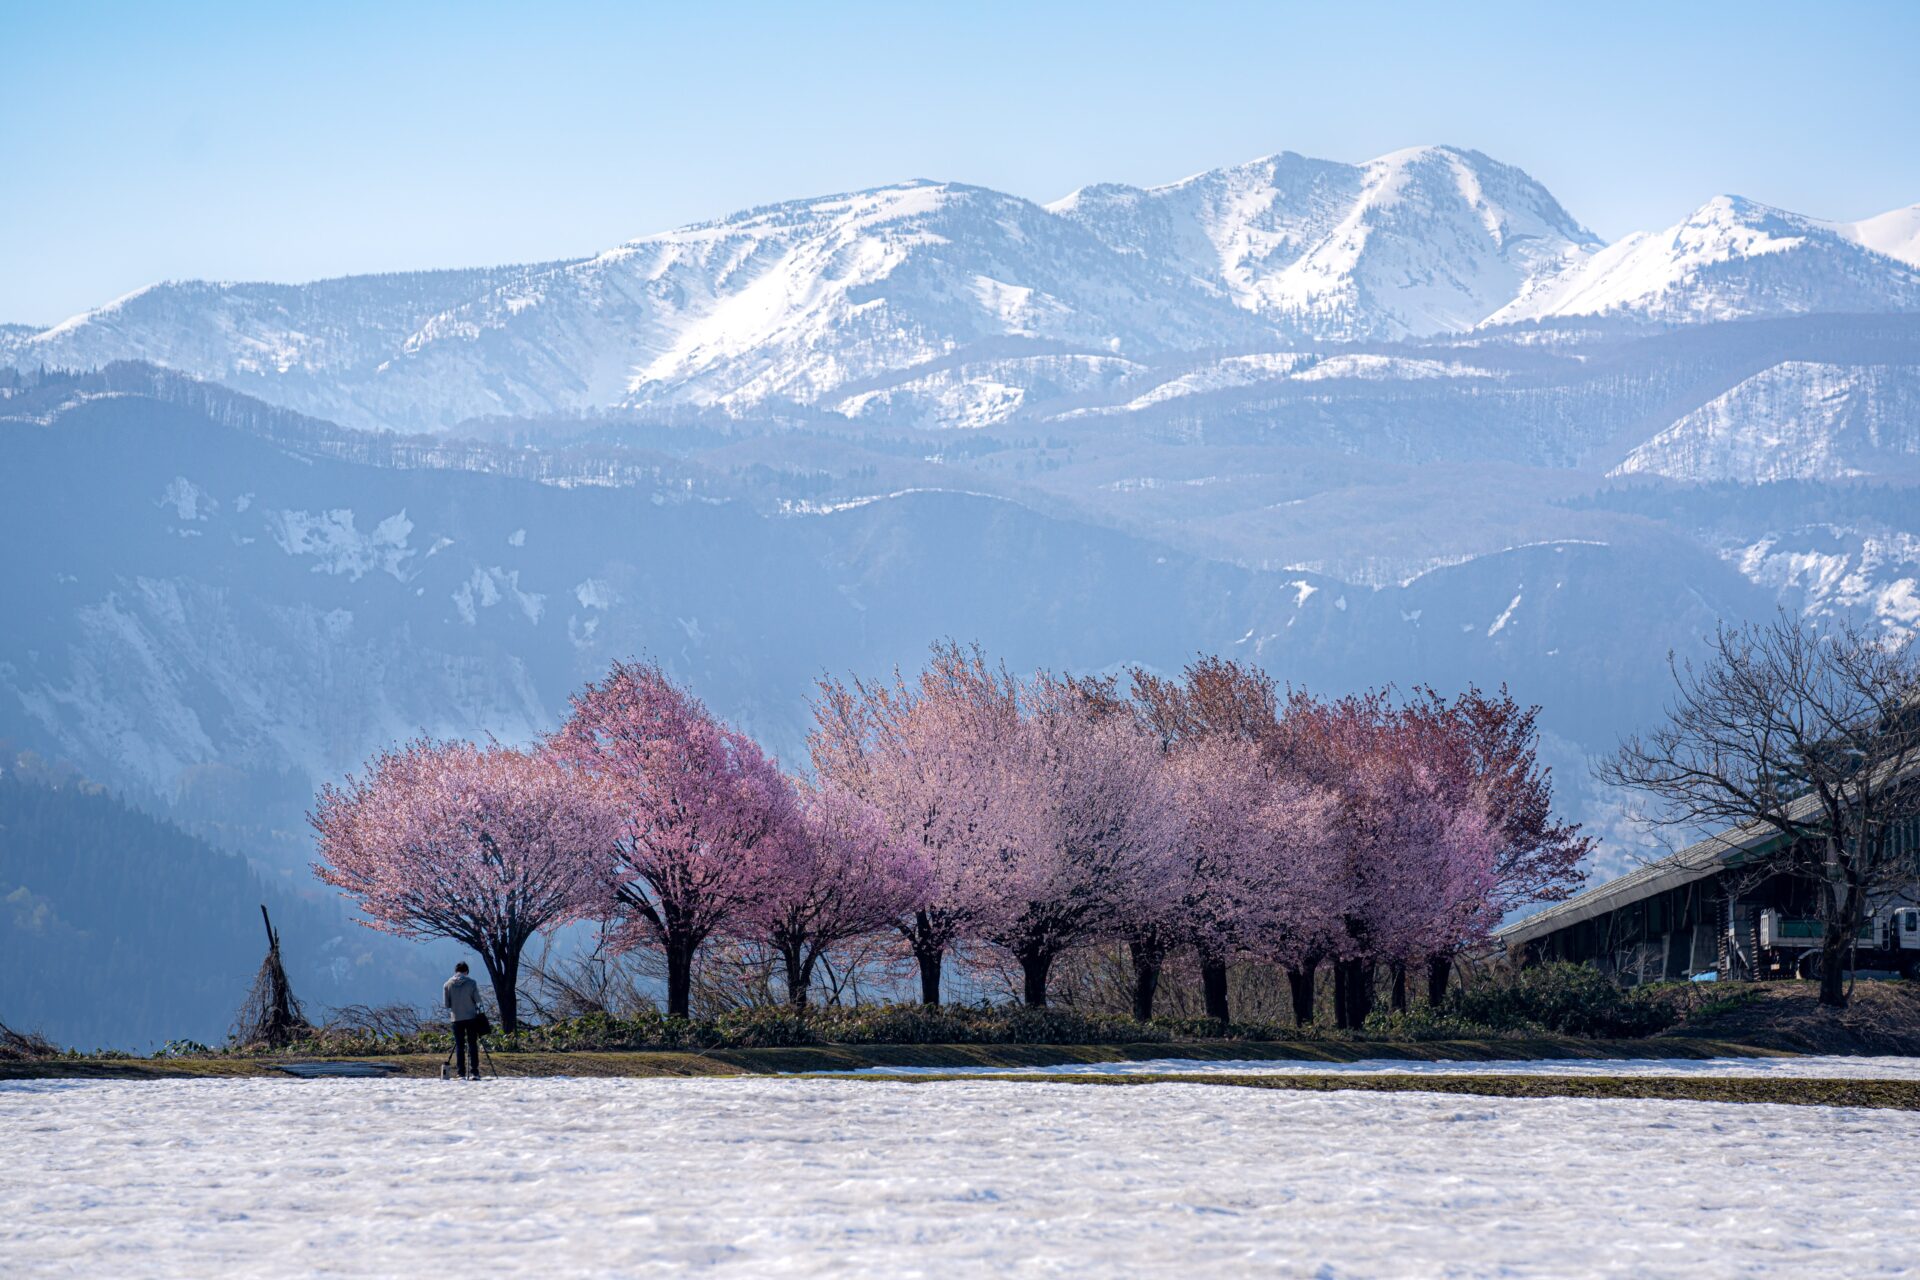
23 1046
1787 1017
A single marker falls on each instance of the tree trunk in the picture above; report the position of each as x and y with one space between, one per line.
503 969
1300 983
1213 985
1399 971
1352 993
928 958
679 980
1833 959
1034 966
1439 970
1147 958
799 978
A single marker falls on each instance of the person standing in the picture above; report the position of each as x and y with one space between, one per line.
462 998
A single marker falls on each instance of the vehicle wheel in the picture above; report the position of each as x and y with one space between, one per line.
1809 966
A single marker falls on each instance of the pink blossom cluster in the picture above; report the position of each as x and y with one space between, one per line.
484 845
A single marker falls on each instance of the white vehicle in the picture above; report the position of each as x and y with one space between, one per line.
1890 939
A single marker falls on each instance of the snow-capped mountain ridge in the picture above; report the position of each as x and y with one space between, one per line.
1730 259
830 301
1420 241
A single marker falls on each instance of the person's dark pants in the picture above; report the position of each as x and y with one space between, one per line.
466 1045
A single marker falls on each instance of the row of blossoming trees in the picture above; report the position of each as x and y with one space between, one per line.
968 807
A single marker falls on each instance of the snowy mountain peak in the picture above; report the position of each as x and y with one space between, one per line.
1730 259
1730 226
847 210
1424 240
100 313
793 302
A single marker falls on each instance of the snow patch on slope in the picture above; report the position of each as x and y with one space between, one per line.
188 500
338 547
485 588
1377 368
985 393
1797 420
1834 570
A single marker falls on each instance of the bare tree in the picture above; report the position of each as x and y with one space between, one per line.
1812 735
385 1021
563 983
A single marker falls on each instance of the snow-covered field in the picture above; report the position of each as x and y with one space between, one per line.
817 1177
1819 1068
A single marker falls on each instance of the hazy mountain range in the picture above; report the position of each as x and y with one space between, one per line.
1405 420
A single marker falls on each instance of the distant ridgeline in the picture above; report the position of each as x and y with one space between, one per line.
121 931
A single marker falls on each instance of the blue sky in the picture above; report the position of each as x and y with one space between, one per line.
283 142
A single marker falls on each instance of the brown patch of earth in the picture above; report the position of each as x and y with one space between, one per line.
1895 1095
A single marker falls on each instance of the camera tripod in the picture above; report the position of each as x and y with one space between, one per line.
480 1047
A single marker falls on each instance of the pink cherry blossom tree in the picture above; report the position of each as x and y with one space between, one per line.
1213 870
1091 829
485 846
708 825
850 878
1422 877
1249 866
1414 853
1484 749
928 753
1256 851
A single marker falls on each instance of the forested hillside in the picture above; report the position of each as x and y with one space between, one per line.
122 931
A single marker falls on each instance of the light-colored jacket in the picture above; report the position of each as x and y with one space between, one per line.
462 997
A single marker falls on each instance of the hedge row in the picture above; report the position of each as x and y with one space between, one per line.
1559 999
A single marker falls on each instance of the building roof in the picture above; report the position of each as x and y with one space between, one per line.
1695 862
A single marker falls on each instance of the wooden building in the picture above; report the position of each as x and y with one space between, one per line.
1698 911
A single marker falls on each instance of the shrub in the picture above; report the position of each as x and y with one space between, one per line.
1564 999
782 1027
1423 1022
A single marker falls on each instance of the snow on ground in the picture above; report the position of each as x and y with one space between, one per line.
764 1177
1817 1068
